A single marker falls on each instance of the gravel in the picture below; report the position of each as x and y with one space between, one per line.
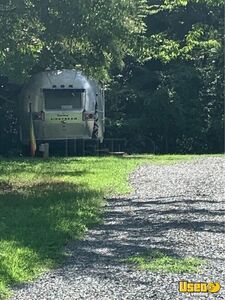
177 208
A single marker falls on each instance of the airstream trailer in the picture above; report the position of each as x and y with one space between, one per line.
63 105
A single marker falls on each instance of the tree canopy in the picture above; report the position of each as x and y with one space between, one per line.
162 61
91 35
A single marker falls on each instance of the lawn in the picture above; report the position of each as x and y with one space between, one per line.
46 204
158 261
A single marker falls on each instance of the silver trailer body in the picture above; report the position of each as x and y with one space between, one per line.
64 104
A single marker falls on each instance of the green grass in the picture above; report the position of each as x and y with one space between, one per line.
46 204
159 261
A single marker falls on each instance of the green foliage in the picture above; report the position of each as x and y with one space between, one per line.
163 62
174 101
159 261
90 35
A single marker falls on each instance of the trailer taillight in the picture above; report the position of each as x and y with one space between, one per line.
42 114
88 116
39 116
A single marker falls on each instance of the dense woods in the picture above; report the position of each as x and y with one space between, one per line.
162 62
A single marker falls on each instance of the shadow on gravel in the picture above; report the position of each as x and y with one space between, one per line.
133 227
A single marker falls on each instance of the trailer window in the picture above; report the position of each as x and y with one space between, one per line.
63 99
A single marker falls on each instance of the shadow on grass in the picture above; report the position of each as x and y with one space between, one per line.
66 173
36 221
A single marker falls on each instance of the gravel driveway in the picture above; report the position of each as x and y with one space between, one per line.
177 208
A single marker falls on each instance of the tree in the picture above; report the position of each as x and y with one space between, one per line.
176 96
92 35
162 60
